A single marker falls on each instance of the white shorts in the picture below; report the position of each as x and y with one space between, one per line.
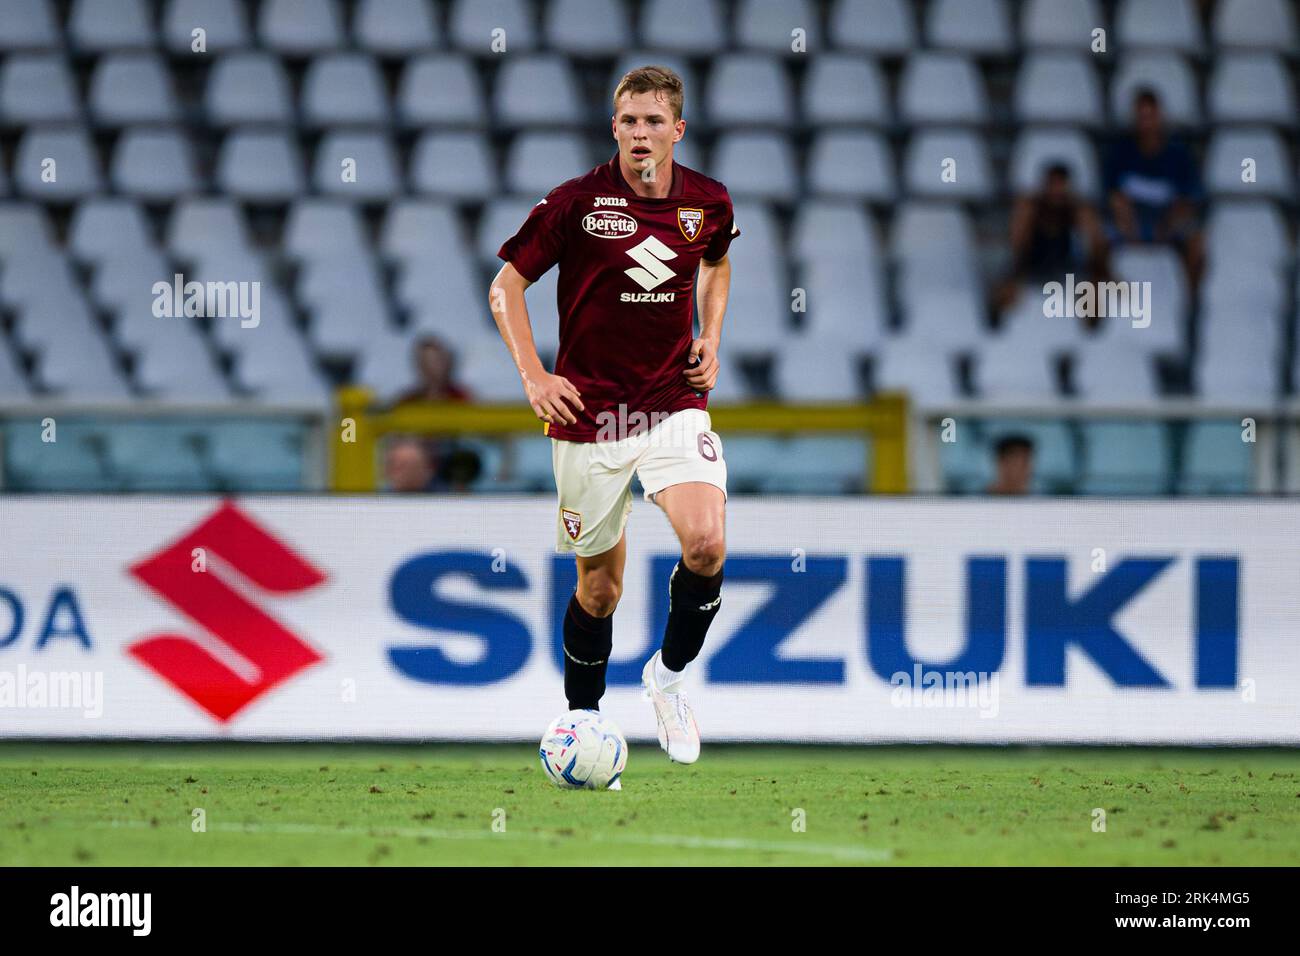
594 479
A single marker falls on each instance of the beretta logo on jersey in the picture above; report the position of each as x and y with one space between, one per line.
607 224
689 221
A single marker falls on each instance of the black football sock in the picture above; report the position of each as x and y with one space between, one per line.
587 643
693 602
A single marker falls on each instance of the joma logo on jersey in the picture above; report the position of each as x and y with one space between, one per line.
609 201
609 225
651 254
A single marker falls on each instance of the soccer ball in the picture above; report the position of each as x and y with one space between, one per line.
583 749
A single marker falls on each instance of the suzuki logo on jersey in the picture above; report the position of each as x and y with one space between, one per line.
650 253
241 652
609 225
689 222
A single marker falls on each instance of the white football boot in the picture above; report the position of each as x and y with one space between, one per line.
678 734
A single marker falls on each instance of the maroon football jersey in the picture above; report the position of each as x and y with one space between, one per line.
626 287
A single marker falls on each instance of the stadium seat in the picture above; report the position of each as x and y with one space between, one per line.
1026 323
1215 460
98 25
156 456
1125 458
370 155
13 384
421 230
941 88
108 226
76 169
814 465
756 165
749 88
688 27
248 88
1060 23
1166 297
536 162
258 456
1058 87
1165 72
300 27
28 25
476 24
490 374
769 25
882 27
813 368
1112 374
1243 284
1037 148
1251 88
174 364
1229 148
1239 359
1171 24
76 462
395 28
24 227
32 273
1255 24
931 232
458 166
260 165
324 229
845 301
37 88
124 277
446 300
764 298
385 364
344 89
500 220
841 89
855 165
981 27
587 27
131 88
200 224
933 154
339 328
441 89
224 23
1247 231
537 90
951 315
80 366
923 369
154 164
842 232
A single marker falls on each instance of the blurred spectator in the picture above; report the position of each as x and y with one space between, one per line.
1154 187
435 365
408 466
1013 462
1053 232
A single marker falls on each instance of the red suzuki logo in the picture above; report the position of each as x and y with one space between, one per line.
273 654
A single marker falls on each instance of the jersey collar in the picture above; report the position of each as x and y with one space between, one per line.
674 191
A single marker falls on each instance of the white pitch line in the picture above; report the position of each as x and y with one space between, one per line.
862 854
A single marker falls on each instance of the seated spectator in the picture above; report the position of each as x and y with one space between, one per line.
408 466
435 365
1054 232
1013 462
1154 187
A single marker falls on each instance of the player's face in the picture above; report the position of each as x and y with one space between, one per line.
645 130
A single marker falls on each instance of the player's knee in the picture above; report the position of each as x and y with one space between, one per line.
599 595
704 552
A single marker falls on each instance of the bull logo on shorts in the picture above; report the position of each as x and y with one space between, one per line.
572 522
689 222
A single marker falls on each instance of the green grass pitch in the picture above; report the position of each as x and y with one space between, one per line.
285 804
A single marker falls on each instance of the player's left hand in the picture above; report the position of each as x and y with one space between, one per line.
704 376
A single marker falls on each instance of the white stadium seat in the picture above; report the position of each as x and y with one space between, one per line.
756 165
441 89
535 162
770 25
1007 370
375 164
28 25
1251 88
981 27
932 154
1058 87
395 27
1035 149
816 370
749 88
1247 231
1257 24
1165 72
224 25
131 88
200 224
857 165
1060 23
324 229
1113 374
587 27
98 25
260 165
941 88
841 89
154 164
106 226
37 88
476 24
76 164
248 87
688 27
882 27
344 89
827 229
456 166
923 369
537 91
419 229
1171 24
300 27
1230 148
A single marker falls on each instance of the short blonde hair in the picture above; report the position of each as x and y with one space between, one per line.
652 79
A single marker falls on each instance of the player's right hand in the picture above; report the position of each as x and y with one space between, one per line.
551 395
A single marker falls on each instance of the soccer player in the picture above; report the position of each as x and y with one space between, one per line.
631 383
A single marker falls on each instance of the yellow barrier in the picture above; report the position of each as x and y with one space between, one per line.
355 464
